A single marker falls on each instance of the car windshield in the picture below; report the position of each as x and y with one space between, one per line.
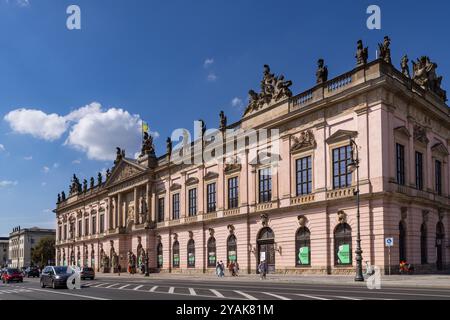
13 270
88 269
61 270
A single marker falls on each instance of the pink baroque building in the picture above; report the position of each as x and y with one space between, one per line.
297 212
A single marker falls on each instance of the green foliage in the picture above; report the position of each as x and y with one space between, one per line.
43 252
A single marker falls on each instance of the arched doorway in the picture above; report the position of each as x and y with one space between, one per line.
440 235
176 255
402 241
231 249
159 253
303 247
343 245
266 248
212 258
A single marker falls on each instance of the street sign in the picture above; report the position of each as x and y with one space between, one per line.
389 242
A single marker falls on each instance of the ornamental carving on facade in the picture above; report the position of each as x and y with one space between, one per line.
273 89
306 140
191 181
175 237
231 228
425 214
404 66
342 216
404 213
75 186
420 134
232 167
385 51
424 74
264 220
362 54
211 232
302 220
126 172
322 72
211 175
191 235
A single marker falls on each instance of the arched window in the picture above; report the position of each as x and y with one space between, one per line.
343 244
191 253
176 254
303 247
402 241
92 258
440 236
423 244
231 249
212 257
159 252
266 248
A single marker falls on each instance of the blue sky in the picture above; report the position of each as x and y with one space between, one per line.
170 63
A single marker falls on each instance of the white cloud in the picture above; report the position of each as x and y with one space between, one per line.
43 184
92 130
6 183
28 158
20 3
237 103
56 165
97 134
2 148
37 123
46 169
76 161
208 62
212 77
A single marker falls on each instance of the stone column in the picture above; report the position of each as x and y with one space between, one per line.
201 191
153 203
136 206
148 200
119 223
183 212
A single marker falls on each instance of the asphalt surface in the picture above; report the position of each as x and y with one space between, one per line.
185 289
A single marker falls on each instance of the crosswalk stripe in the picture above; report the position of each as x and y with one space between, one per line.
171 290
311 297
153 289
123 287
112 285
245 295
276 296
99 285
192 292
217 293
138 287
347 298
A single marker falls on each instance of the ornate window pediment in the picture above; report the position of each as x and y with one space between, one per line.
403 131
420 134
175 186
191 181
211 175
305 141
341 135
124 170
232 167
440 148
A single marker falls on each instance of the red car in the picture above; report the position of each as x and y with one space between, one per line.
12 275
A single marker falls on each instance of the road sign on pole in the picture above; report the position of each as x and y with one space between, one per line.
389 242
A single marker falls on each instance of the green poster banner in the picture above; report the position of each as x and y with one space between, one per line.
232 256
191 258
303 255
212 258
176 259
160 260
344 254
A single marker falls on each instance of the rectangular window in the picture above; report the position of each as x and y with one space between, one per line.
192 202
176 206
86 226
211 197
400 155
438 177
233 194
304 176
80 223
265 185
65 232
342 177
160 209
59 233
102 223
94 224
419 170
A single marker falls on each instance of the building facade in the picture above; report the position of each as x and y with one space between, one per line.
4 251
21 242
298 212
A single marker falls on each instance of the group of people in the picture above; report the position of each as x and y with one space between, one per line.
233 268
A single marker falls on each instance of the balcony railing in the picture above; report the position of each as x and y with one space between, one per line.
341 193
302 199
231 212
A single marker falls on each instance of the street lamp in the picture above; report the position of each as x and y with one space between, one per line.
352 167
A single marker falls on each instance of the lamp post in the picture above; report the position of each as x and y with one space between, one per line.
354 166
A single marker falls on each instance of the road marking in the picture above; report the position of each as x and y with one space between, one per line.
347 298
69 294
138 287
123 287
99 285
217 293
153 289
311 297
171 290
192 292
112 285
245 295
276 296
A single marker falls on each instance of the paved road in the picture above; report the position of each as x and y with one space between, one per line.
154 289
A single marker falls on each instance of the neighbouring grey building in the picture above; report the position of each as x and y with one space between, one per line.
4 244
21 241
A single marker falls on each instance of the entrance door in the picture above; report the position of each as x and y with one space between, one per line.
266 248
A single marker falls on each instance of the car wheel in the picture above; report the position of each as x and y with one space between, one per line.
42 284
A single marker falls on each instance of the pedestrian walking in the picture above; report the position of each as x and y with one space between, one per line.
119 268
218 272
222 269
262 268
231 268
236 268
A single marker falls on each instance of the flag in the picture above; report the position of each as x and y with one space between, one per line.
145 127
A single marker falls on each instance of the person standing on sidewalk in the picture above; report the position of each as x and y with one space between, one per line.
262 268
236 268
119 268
222 269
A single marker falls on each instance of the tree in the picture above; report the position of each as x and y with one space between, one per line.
43 252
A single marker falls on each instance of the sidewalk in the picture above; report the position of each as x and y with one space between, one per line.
416 281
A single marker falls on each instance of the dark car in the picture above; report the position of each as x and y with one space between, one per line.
32 272
12 274
87 273
55 277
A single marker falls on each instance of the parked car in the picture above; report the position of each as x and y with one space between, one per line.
87 273
12 274
32 272
55 276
